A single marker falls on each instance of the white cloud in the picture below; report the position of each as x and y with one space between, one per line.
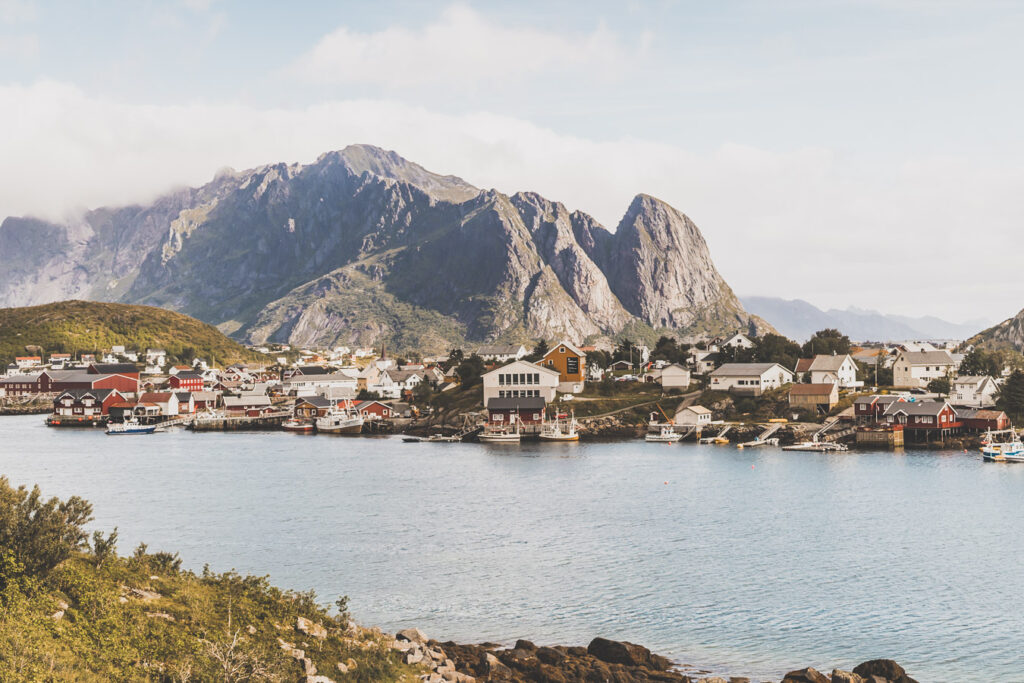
930 236
460 47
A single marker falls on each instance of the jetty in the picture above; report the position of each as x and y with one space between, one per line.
207 423
719 435
764 438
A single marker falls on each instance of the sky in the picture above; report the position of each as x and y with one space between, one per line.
850 153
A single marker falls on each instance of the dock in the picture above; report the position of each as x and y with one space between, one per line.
764 438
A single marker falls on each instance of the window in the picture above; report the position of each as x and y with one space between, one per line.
561 349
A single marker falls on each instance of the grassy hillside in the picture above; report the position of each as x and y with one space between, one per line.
90 326
71 609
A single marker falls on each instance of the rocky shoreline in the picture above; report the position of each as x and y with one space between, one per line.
602 660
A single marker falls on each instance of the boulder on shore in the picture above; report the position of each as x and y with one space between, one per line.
885 668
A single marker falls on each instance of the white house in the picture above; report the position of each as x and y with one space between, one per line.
392 382
520 379
751 379
834 369
501 353
975 391
739 341
705 361
914 369
692 416
308 385
673 376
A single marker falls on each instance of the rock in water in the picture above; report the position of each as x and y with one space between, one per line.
885 668
807 675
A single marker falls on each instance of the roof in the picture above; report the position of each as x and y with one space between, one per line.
188 375
245 401
567 345
205 395
101 394
917 408
403 375
521 403
113 368
827 363
183 396
156 396
971 379
499 350
812 389
804 364
989 414
883 399
21 378
316 401
745 369
700 410
524 364
927 357
312 370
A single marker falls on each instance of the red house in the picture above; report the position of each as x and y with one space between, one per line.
871 409
186 381
83 406
983 420
924 418
374 410
529 410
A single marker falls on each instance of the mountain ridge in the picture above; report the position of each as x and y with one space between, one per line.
799 319
310 251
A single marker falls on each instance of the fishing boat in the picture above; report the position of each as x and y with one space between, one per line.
298 426
495 433
666 434
561 428
1002 451
817 447
130 426
345 420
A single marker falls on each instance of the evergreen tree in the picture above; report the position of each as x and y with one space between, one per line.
1011 396
826 342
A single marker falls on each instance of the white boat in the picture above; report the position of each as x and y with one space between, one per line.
345 420
817 447
1002 451
562 428
667 434
130 426
298 426
501 433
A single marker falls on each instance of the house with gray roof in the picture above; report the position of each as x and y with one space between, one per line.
749 379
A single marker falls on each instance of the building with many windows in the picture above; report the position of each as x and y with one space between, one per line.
520 379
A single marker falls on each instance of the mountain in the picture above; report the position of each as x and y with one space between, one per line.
363 247
799 319
89 326
1008 334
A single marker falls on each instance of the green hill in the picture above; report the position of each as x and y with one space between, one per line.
88 326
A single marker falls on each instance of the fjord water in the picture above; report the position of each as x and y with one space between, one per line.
742 562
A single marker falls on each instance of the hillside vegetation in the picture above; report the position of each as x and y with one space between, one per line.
89 326
71 609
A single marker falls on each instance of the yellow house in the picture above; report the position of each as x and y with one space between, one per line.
570 363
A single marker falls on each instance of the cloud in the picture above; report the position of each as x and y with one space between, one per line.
24 46
927 236
17 11
460 47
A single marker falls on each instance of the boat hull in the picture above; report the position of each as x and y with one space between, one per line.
356 428
559 437
499 438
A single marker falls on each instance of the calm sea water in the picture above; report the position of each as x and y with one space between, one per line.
743 562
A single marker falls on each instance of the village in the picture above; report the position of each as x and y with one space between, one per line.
507 393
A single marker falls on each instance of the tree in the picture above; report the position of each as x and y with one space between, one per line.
539 351
470 370
826 342
103 548
455 358
939 385
599 358
625 350
979 362
1011 396
775 348
41 533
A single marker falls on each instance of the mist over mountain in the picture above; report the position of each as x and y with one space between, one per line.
363 247
799 319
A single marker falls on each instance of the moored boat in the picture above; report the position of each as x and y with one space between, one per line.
1002 451
298 426
131 426
501 433
345 420
667 434
817 447
562 428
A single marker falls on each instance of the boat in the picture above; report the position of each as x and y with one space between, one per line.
817 447
411 439
441 438
1002 451
131 426
494 433
667 434
562 428
298 426
345 420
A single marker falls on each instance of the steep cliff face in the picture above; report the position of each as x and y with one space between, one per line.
1008 334
363 246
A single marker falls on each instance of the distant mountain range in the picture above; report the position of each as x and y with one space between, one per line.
799 319
363 247
1008 334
